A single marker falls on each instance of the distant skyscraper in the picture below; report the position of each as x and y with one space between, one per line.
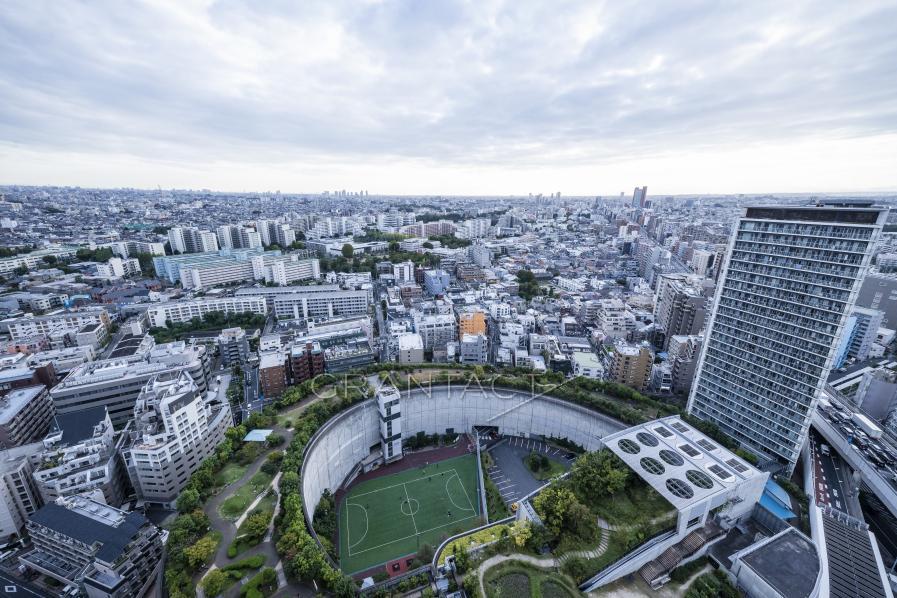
638 197
788 284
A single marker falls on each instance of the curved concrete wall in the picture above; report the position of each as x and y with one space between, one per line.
348 437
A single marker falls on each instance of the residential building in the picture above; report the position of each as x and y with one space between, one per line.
480 255
436 281
19 495
238 237
29 326
233 346
23 375
879 291
306 361
177 312
630 365
25 416
410 348
683 362
116 383
325 300
788 285
272 374
117 267
285 270
403 272
234 266
613 318
189 239
81 455
35 258
680 307
473 322
127 249
435 329
106 552
587 365
859 335
175 428
474 349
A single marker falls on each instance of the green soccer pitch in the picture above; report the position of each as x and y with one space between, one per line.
390 517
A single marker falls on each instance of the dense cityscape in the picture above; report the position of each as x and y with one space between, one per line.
448 299
627 392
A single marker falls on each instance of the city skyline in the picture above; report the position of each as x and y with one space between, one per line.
492 99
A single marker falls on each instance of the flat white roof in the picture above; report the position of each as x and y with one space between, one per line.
682 464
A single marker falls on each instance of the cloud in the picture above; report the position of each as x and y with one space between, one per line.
487 87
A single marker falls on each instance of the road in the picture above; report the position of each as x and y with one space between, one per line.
833 479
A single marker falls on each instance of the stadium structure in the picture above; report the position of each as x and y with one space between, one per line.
384 519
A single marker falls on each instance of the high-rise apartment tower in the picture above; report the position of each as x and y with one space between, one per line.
788 284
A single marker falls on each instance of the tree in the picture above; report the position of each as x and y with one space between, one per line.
188 500
427 245
552 505
199 553
215 582
256 524
581 522
348 251
49 259
599 473
521 532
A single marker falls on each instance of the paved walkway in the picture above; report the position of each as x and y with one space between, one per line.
542 563
228 529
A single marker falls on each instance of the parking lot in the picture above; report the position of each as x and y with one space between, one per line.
509 472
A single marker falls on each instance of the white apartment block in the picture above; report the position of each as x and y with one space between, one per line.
410 348
126 249
317 301
80 456
613 318
587 365
178 312
19 495
285 270
35 258
117 267
29 326
403 272
436 329
173 431
474 349
115 383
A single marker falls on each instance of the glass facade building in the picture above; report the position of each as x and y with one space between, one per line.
789 281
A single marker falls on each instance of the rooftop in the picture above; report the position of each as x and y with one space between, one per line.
259 435
854 564
92 523
77 425
788 562
16 400
682 464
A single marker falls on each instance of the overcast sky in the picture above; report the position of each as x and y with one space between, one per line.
435 97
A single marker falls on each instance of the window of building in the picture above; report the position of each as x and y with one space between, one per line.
627 446
671 457
652 465
679 488
647 439
699 479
